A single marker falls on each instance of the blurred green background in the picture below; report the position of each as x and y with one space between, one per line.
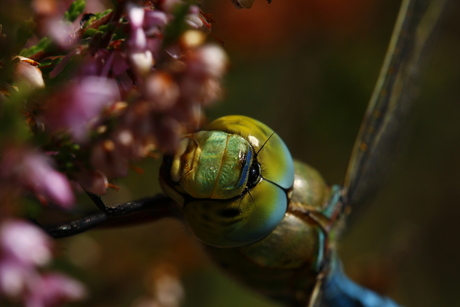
307 69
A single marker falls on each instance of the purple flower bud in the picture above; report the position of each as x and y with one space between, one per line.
209 60
161 90
92 181
26 71
192 39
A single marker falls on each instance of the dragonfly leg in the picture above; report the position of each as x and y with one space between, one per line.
96 199
324 258
315 297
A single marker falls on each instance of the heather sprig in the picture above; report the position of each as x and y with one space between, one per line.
83 95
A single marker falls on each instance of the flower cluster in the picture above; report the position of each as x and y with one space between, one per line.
83 95
24 249
125 83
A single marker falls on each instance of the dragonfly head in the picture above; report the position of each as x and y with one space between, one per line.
232 181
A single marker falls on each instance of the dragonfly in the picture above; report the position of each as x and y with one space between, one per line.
272 220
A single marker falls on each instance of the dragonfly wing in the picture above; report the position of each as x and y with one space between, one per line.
390 103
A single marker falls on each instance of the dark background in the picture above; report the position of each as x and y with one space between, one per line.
307 69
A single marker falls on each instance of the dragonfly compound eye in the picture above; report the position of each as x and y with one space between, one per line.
254 175
232 181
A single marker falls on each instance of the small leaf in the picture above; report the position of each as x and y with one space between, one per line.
91 32
76 9
100 15
40 46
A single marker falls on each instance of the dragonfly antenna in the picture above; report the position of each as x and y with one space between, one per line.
263 145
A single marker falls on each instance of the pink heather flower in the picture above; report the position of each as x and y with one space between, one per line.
141 59
23 248
200 83
137 38
13 278
26 284
37 174
209 61
79 106
32 170
161 90
60 32
25 243
53 289
154 21
135 16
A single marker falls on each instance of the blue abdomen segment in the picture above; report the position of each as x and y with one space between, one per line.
341 291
